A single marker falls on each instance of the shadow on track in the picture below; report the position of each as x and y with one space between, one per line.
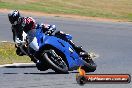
35 73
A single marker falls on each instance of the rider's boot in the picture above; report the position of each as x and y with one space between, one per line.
19 52
79 50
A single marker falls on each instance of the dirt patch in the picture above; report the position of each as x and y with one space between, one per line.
62 15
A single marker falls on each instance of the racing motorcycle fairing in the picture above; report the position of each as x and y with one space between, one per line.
72 57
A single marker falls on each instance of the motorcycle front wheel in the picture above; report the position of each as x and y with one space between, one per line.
55 61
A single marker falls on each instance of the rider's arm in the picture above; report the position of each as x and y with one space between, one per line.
14 33
17 35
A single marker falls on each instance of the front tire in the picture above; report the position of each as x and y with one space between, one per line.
56 63
42 66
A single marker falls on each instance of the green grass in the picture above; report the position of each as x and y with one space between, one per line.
115 9
8 55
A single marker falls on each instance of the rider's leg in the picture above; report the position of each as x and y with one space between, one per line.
79 49
68 38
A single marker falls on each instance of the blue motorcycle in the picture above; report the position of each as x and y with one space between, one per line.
56 53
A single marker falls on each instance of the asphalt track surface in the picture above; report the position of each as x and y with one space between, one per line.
111 40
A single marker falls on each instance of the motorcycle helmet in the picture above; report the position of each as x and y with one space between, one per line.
14 17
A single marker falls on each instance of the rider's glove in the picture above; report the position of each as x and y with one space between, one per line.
48 29
52 28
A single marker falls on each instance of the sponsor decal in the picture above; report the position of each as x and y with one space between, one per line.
83 78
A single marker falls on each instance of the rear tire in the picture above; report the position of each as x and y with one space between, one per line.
89 66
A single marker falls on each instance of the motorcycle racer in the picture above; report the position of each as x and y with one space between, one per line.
28 25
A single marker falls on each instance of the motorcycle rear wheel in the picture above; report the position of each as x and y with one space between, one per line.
90 65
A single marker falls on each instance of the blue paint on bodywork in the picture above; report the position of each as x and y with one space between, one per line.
72 57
